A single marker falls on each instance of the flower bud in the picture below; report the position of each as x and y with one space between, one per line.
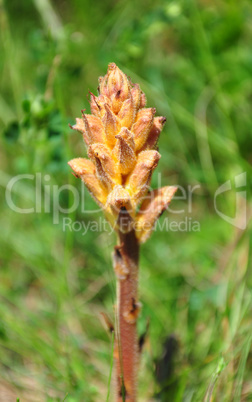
97 104
142 126
94 129
112 126
124 151
127 113
153 136
137 183
115 85
106 168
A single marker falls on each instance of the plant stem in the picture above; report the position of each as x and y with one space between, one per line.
127 355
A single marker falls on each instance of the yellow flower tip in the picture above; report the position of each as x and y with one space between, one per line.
114 82
112 66
149 159
81 166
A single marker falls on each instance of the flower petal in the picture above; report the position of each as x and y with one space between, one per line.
124 151
153 136
112 126
106 167
142 126
137 183
94 129
85 169
152 207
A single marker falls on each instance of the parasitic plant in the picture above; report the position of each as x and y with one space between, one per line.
121 135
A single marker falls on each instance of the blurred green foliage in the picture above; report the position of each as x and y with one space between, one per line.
194 61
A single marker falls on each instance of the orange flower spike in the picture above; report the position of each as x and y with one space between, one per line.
122 136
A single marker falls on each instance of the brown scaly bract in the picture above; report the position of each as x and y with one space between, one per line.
121 135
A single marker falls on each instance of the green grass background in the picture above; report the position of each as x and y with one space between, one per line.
193 59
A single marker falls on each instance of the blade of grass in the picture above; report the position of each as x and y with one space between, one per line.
241 368
220 367
111 365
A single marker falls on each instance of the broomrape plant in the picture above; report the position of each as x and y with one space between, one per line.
121 135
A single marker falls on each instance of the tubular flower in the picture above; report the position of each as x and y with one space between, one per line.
121 135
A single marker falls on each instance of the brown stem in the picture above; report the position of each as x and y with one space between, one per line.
127 351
